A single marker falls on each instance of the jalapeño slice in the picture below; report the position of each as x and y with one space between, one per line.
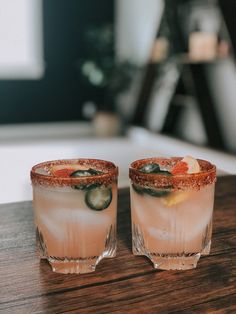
98 198
153 168
85 173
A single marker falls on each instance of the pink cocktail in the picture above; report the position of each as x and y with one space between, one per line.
75 205
171 211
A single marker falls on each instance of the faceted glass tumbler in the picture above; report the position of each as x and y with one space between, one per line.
172 215
75 209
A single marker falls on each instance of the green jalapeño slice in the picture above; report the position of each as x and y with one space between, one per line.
85 173
98 198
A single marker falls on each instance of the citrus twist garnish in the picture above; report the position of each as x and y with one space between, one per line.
187 165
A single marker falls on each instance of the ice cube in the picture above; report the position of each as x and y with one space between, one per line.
42 171
46 221
83 216
59 221
188 218
160 233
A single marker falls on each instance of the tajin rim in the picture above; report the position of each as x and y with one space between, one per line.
206 176
109 175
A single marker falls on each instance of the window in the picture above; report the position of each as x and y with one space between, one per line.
41 43
21 43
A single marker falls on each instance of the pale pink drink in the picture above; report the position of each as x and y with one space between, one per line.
75 206
171 213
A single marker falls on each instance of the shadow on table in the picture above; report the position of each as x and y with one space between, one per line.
124 235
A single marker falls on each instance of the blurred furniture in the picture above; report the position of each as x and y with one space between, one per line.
194 83
191 79
125 284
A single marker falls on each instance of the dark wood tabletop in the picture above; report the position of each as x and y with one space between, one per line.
125 283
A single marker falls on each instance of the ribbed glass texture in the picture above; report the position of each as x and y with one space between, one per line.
70 235
173 230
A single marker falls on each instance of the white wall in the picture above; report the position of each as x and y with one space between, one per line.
136 26
21 42
222 78
137 22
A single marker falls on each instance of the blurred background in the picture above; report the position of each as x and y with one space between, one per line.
97 79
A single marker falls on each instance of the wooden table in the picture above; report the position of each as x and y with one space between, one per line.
125 283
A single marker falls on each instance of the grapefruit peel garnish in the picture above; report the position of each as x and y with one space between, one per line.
62 173
187 165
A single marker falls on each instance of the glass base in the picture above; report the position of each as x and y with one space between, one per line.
76 266
173 262
66 265
167 261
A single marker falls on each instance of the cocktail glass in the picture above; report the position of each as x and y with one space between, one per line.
171 214
75 205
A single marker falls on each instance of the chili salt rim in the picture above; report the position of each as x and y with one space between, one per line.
196 181
49 180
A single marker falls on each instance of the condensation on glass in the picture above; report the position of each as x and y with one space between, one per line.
172 215
75 208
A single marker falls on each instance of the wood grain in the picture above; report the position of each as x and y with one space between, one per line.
125 283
